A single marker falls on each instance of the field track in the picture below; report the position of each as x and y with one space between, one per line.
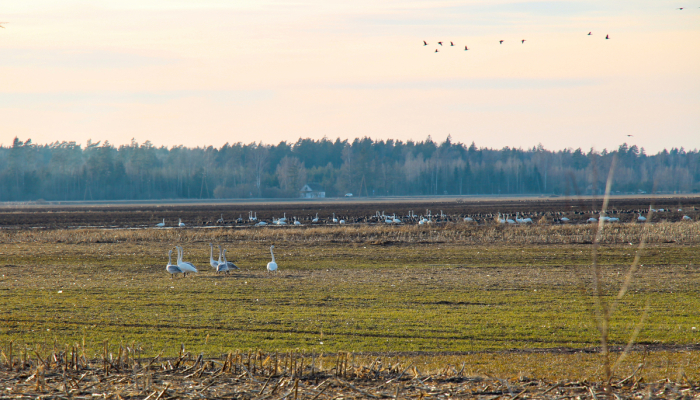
119 215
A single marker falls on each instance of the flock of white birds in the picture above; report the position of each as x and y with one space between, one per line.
220 266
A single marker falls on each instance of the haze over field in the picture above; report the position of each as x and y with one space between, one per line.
211 72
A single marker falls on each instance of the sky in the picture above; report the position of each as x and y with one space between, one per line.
210 72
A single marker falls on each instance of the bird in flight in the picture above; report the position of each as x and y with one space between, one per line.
452 44
466 48
522 41
589 33
436 50
425 43
440 43
607 36
630 135
500 41
680 8
1 25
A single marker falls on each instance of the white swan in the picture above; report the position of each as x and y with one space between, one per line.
641 219
180 223
468 219
564 219
422 220
283 219
226 266
212 261
261 223
500 219
591 219
395 220
296 221
315 219
172 268
184 265
342 221
686 218
335 220
272 265
229 264
161 224
220 220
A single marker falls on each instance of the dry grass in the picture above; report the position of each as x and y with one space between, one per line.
462 234
119 372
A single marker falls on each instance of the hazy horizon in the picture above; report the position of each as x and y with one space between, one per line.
205 73
291 143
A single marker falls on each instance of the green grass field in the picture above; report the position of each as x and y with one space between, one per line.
333 296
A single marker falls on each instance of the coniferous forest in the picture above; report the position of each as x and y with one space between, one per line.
364 167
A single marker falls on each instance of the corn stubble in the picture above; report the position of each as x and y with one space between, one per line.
120 372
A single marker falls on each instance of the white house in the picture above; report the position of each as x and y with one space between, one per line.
312 191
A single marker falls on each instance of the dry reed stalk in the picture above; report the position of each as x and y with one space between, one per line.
603 308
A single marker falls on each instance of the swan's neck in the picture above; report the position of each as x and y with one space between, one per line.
220 255
170 260
273 255
211 252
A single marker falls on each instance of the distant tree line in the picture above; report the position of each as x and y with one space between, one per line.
364 167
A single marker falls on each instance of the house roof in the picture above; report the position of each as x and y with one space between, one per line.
315 187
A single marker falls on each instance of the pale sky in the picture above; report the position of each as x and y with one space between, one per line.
207 72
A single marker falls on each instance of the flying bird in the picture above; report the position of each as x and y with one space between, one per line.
466 48
630 135
589 33
425 43
607 36
522 41
1 24
436 50
500 41
680 8
452 44
440 43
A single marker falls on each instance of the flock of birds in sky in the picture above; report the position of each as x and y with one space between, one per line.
522 41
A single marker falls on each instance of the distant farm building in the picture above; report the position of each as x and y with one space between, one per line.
312 191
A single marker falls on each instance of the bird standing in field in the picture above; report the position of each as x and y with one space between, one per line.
212 261
172 268
184 266
180 223
272 265
229 264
